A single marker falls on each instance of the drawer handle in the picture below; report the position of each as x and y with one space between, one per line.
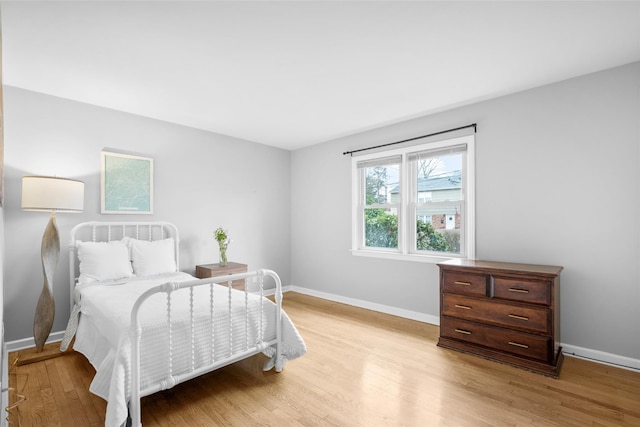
462 331
517 344
462 283
520 291
466 307
515 316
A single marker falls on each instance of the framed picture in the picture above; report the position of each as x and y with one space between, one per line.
126 184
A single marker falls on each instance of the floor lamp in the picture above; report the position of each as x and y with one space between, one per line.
49 194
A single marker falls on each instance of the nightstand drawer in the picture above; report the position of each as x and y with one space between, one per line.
524 290
518 343
465 283
535 319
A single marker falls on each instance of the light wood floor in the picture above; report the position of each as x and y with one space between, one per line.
362 369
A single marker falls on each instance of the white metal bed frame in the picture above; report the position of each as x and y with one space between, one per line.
107 231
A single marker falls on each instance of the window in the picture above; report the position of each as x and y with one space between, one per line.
424 196
381 201
415 202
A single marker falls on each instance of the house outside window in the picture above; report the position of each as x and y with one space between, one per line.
424 196
415 202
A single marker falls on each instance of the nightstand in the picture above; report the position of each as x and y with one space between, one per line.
215 270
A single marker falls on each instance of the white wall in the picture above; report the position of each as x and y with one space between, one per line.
557 182
202 181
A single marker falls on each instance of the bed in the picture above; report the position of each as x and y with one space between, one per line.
145 326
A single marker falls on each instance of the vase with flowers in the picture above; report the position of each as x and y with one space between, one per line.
223 243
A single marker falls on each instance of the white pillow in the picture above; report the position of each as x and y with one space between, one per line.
150 258
103 261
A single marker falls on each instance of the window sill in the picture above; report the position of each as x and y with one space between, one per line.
431 259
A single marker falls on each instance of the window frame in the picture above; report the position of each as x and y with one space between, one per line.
407 213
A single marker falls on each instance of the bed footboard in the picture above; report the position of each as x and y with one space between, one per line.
239 310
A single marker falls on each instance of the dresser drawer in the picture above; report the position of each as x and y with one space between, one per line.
509 341
524 290
465 283
535 319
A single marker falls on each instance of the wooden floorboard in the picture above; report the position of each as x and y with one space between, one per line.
362 368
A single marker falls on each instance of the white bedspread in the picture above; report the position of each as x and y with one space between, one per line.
105 318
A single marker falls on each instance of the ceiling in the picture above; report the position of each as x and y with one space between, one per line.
296 73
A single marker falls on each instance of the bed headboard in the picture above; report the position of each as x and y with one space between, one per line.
98 231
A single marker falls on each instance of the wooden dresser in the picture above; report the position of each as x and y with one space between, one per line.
506 312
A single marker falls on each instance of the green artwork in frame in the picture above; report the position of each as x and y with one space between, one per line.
126 183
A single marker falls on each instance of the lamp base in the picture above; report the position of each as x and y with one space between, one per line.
32 355
45 310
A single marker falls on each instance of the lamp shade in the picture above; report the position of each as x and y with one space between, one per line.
46 193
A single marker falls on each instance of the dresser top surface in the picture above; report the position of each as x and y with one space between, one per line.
553 270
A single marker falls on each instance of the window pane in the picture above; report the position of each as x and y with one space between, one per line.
382 184
381 228
439 230
439 178
439 187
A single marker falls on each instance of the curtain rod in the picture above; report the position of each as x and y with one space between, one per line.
473 125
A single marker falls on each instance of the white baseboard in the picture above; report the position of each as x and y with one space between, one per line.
568 349
602 357
407 314
29 342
